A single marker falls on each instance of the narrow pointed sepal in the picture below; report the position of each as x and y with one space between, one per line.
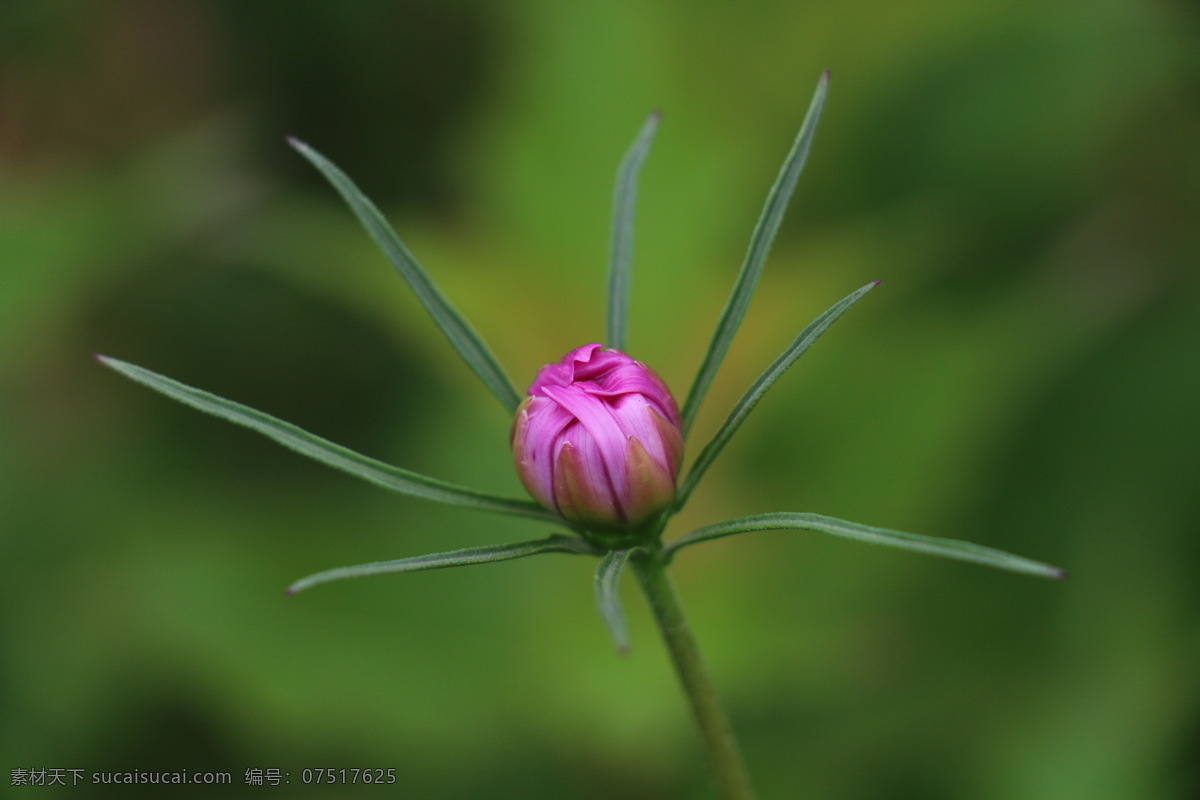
624 200
334 455
467 556
469 344
765 381
756 255
947 548
608 597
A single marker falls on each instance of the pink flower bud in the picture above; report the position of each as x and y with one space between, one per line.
598 440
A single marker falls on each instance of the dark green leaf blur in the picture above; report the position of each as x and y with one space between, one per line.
1023 177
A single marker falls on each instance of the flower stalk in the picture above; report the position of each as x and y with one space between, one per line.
712 723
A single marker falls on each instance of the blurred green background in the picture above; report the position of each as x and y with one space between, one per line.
1025 179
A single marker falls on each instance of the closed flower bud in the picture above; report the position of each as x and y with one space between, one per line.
598 440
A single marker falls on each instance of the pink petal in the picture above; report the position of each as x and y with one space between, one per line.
597 419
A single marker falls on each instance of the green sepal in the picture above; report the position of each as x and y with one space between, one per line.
948 548
608 598
556 543
624 200
760 245
334 455
760 386
460 333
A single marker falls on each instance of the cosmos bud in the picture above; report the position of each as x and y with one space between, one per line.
598 440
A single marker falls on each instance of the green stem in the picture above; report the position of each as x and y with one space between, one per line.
720 747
